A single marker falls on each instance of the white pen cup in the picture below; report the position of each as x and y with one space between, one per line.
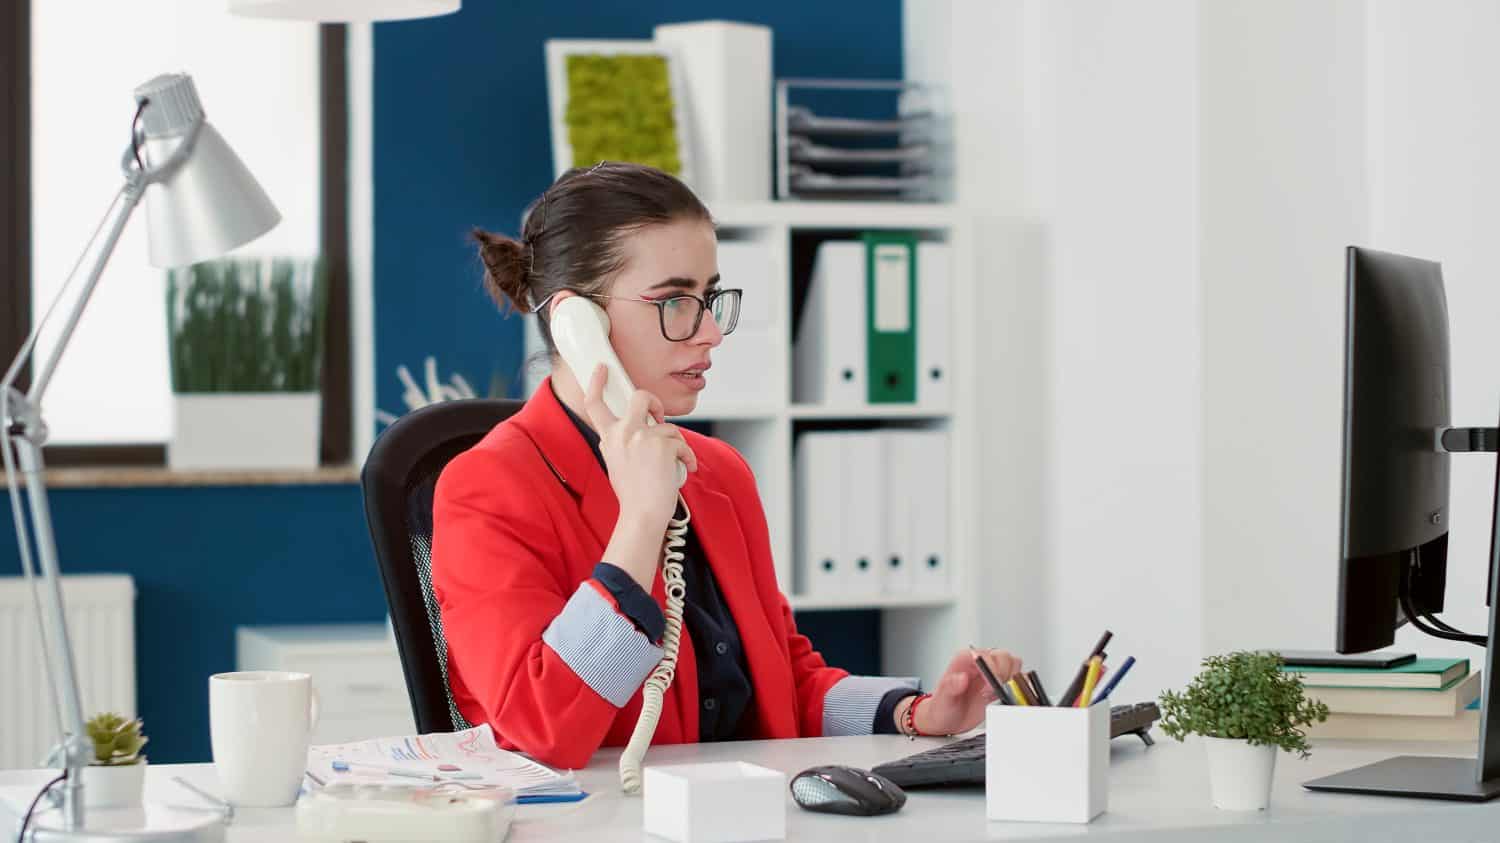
259 723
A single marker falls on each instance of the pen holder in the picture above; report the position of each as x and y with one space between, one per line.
1046 764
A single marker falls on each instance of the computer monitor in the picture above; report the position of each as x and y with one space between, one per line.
1395 482
1394 536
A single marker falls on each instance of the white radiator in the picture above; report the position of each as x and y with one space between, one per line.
101 624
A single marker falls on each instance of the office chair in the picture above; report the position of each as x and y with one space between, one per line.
398 480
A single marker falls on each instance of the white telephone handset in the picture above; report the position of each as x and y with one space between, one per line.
580 328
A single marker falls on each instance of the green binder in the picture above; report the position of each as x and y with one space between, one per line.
891 316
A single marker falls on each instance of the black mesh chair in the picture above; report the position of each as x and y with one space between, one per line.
398 481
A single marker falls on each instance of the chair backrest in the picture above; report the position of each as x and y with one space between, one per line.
398 480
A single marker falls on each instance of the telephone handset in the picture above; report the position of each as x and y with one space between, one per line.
580 328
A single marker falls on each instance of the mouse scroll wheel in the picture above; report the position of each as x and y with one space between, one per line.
812 790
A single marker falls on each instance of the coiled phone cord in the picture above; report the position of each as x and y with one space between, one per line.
661 675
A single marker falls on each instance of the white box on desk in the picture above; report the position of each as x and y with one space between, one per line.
1046 763
724 802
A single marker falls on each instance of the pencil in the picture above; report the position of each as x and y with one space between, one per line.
1109 686
989 677
1095 664
1036 687
1070 696
1015 688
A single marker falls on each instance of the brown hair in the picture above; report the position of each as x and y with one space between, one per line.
572 235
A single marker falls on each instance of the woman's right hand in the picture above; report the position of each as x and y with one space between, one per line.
642 458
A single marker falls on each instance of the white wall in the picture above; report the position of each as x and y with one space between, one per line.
1382 122
112 384
1435 128
1282 161
1076 126
1167 188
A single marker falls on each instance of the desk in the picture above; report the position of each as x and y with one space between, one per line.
1156 793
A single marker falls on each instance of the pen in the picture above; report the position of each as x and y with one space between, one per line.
989 677
341 766
1019 692
1036 687
1096 663
1070 696
1113 681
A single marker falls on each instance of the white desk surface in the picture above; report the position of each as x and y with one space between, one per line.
1156 793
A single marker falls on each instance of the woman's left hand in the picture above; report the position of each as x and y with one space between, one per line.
958 701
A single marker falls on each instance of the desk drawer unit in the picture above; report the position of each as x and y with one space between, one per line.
354 668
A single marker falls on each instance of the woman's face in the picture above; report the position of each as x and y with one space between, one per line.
663 261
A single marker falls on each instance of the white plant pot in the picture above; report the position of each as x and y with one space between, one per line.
114 787
1239 775
245 430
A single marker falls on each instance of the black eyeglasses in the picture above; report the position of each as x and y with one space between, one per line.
682 314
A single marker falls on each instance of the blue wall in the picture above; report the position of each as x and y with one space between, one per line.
462 139
206 560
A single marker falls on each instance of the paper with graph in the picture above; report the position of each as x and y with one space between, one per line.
469 757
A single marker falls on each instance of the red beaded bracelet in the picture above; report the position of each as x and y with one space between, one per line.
909 719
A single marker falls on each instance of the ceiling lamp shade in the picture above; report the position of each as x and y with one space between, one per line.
209 204
343 11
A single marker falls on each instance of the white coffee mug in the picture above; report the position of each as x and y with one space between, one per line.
259 722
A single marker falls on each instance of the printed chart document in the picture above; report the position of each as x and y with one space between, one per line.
470 757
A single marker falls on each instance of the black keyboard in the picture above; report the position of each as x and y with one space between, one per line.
962 761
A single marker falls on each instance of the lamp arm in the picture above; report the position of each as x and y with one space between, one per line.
24 434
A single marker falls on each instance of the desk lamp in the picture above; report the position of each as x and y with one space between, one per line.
343 11
201 202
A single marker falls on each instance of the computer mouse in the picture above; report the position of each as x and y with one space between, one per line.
836 789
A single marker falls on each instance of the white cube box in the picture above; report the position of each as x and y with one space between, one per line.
715 803
1046 764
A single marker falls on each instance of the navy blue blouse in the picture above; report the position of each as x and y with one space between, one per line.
724 688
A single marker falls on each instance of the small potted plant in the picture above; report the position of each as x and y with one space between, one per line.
117 774
1245 708
246 353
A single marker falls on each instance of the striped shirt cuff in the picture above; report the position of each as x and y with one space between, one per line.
601 645
849 706
633 600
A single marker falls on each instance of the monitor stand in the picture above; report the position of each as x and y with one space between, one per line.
1429 777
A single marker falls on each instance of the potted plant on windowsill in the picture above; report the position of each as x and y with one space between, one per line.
116 776
246 354
1245 708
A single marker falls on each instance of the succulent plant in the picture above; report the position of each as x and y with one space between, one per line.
117 741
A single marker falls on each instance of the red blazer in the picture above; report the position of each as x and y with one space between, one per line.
519 522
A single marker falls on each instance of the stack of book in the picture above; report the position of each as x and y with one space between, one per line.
1423 700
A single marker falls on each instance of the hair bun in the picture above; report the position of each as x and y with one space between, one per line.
505 270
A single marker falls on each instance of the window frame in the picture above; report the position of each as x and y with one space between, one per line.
336 440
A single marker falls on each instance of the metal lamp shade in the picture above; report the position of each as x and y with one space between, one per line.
344 11
209 206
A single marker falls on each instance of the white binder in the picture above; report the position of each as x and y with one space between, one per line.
818 517
830 355
930 515
863 499
900 489
934 325
740 378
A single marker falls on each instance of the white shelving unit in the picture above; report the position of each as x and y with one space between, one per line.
920 632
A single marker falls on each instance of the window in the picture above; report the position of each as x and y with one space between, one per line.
276 92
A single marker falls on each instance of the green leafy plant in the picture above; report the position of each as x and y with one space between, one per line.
117 741
246 325
620 109
1243 696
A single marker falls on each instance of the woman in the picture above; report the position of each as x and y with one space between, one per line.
548 534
